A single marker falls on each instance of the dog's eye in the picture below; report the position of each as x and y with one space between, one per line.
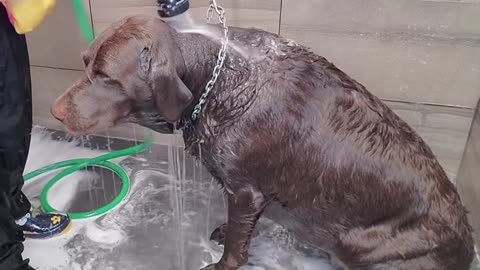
101 75
86 60
106 79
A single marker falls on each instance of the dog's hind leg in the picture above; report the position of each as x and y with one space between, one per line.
426 262
381 248
244 208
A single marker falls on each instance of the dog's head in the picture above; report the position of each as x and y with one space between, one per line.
132 73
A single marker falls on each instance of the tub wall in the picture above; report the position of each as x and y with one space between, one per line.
421 57
468 176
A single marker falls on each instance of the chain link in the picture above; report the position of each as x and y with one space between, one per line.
220 12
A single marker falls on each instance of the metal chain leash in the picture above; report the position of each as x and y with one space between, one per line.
220 12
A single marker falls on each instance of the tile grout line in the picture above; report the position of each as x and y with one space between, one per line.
280 18
58 68
91 16
424 103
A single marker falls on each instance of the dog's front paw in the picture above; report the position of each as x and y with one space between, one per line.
214 266
218 235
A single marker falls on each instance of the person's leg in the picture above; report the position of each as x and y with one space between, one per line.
16 218
11 235
15 132
15 115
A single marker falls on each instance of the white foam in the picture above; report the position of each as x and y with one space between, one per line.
184 23
51 253
265 255
104 236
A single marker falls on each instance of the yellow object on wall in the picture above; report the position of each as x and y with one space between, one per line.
26 15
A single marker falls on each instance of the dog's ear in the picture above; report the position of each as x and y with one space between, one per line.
171 95
145 62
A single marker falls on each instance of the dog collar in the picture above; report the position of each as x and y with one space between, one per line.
220 59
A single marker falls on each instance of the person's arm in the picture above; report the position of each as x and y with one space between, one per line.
26 15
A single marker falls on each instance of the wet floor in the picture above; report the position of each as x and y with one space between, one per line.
164 223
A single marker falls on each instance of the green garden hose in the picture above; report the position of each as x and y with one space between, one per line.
100 161
79 164
82 20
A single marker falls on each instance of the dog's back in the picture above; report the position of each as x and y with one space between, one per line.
362 184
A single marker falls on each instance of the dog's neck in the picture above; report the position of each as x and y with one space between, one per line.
199 56
228 98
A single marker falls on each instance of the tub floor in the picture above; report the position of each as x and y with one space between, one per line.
162 224
146 231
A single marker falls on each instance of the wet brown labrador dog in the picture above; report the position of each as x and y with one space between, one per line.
282 125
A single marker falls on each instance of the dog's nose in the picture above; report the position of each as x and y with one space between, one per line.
59 111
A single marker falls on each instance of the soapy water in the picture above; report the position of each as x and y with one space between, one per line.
184 23
164 223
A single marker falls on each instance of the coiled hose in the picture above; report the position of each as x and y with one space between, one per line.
79 164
